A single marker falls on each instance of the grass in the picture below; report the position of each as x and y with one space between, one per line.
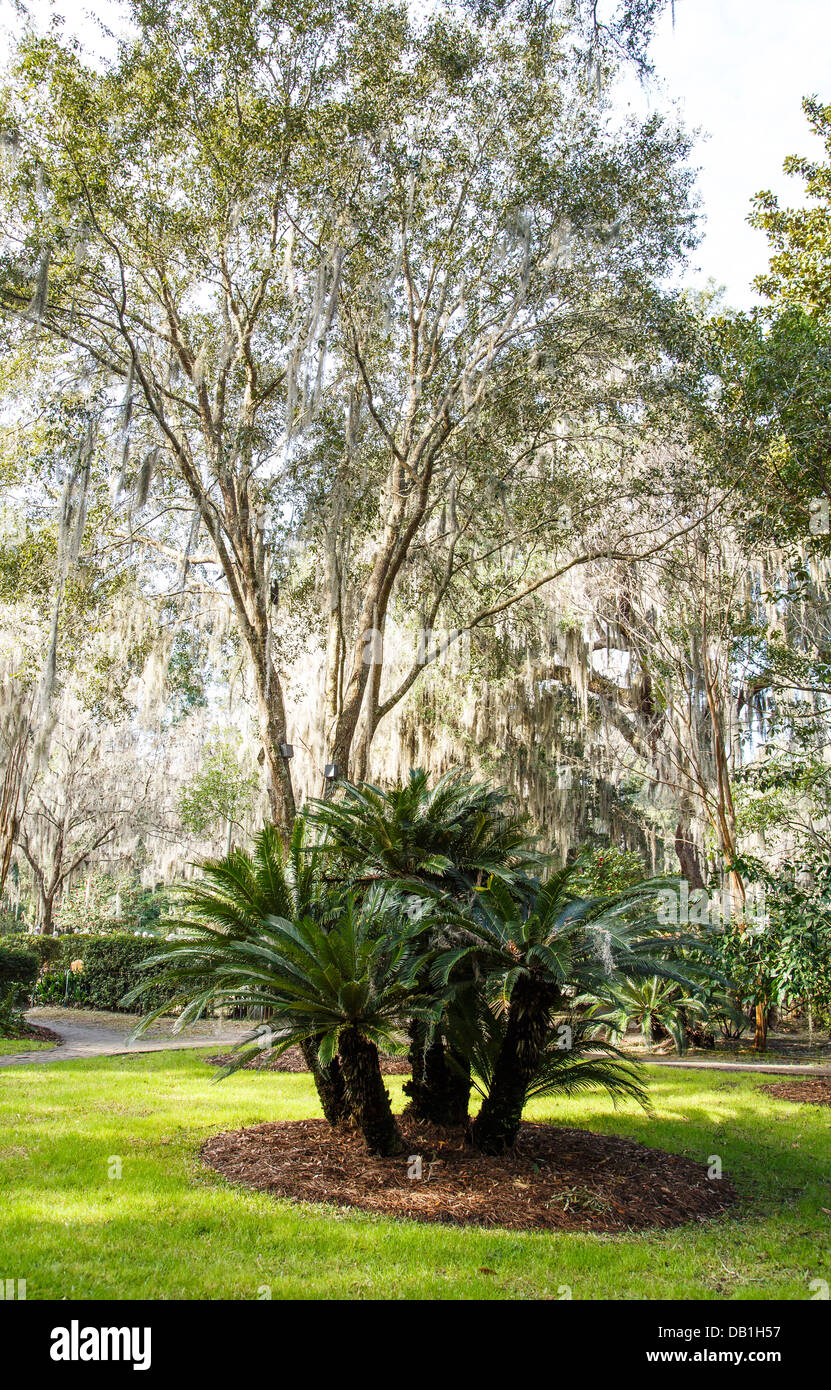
168 1228
14 1045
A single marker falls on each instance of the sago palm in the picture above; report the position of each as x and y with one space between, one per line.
342 988
449 836
441 840
232 899
571 1062
535 953
657 1007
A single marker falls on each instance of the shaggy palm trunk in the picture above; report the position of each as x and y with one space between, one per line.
529 1016
760 1039
366 1093
438 1091
329 1084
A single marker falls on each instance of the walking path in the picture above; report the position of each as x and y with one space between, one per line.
782 1068
99 1040
96 1040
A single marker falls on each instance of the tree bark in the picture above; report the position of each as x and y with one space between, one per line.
529 1016
46 908
687 857
367 1095
438 1091
329 1084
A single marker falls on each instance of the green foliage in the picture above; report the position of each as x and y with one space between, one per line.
535 956
221 792
605 871
572 1060
577 945
12 919
447 837
48 949
264 931
800 238
107 901
111 966
18 971
659 1008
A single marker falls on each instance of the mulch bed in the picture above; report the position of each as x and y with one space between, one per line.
555 1179
811 1090
293 1060
34 1032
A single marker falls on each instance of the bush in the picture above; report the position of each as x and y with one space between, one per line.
607 870
48 949
18 971
110 967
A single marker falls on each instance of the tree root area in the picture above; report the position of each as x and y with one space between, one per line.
554 1179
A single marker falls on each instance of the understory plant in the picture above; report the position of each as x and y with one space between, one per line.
342 955
436 842
533 956
224 911
658 1008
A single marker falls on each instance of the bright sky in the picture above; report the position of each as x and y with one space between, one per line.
738 70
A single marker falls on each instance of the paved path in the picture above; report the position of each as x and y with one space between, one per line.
96 1040
781 1068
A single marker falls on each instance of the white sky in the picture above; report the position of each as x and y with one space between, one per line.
738 70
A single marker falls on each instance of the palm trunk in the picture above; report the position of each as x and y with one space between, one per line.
366 1093
329 1084
760 1039
529 1017
438 1091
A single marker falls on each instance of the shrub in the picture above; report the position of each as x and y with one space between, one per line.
110 967
18 971
603 871
48 949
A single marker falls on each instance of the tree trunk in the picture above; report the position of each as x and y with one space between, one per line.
273 733
687 857
46 909
438 1091
366 1093
328 1083
760 1037
529 1018
417 1031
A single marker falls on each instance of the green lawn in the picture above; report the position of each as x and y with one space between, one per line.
14 1045
169 1229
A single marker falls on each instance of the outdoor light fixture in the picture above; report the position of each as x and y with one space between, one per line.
330 772
286 750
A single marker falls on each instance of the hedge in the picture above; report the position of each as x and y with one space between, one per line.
19 969
110 968
48 949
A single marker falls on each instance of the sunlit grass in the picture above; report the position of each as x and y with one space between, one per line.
168 1228
14 1045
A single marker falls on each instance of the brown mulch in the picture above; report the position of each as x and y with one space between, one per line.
555 1179
34 1032
813 1090
293 1060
